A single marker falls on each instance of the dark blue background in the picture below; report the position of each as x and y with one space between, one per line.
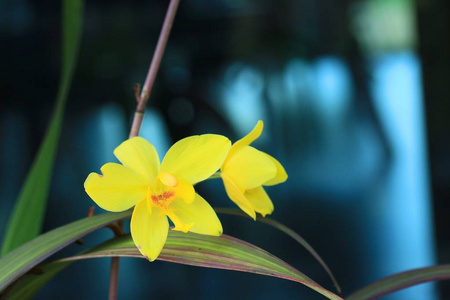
353 96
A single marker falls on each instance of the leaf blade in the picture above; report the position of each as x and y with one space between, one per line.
21 260
29 285
289 232
402 281
191 249
26 219
223 252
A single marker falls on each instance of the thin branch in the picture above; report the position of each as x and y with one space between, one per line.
91 211
89 215
138 117
137 90
154 66
116 228
114 278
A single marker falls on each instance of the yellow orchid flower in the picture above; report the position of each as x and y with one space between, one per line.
246 170
160 190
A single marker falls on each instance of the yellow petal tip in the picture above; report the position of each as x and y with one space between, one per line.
184 227
251 214
264 214
144 254
89 179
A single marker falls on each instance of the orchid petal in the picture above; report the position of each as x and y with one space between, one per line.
181 188
179 224
200 214
281 175
248 139
140 156
249 168
197 157
259 200
184 190
118 189
237 196
149 229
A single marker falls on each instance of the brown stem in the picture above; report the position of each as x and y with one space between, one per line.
89 215
138 117
137 90
116 228
91 211
113 278
154 66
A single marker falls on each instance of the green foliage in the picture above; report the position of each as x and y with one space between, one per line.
223 252
30 284
192 249
26 220
402 281
24 258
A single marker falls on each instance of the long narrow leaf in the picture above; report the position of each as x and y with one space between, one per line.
191 249
288 231
402 281
29 285
26 220
21 260
223 252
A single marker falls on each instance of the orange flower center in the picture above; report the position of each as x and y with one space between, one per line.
163 200
163 193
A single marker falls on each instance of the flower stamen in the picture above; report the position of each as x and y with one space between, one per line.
163 200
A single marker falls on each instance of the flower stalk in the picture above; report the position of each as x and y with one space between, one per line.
154 66
140 110
114 278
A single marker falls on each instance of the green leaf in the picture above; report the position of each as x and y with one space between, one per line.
223 252
289 232
29 285
26 219
21 260
401 281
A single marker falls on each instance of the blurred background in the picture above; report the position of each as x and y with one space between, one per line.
353 95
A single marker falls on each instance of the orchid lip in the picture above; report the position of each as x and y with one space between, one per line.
163 200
